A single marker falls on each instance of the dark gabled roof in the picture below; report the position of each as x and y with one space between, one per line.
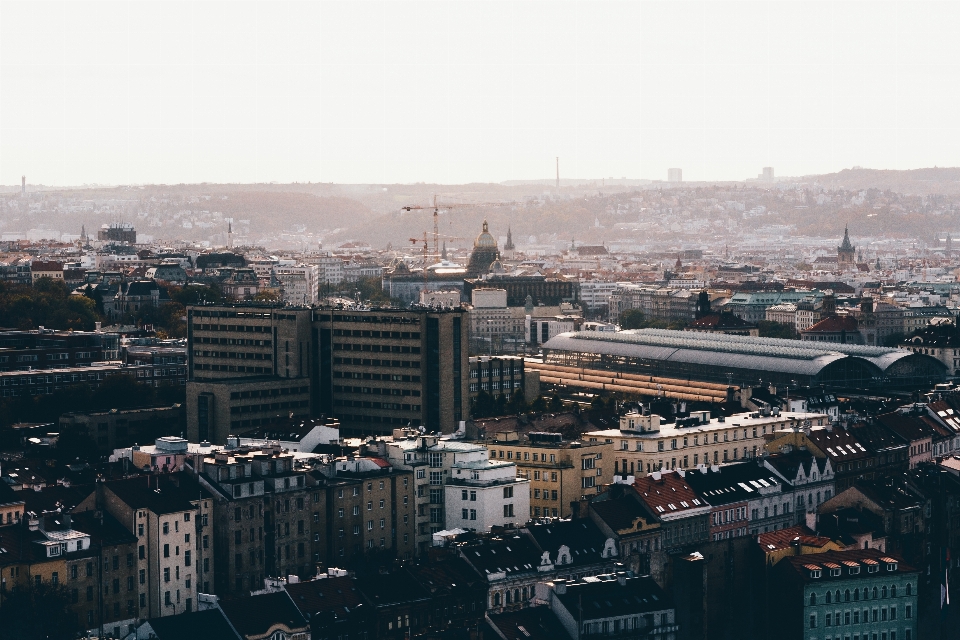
908 427
839 445
620 513
582 536
783 539
336 595
605 597
9 496
789 464
197 625
396 587
447 574
850 521
159 493
53 497
106 532
140 287
945 413
877 436
887 497
515 555
835 324
720 321
532 623
255 615
732 483
800 567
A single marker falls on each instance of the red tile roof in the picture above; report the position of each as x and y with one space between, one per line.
834 324
783 539
667 493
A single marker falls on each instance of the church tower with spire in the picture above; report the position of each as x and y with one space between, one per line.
846 253
508 247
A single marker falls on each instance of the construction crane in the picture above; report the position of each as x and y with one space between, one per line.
436 214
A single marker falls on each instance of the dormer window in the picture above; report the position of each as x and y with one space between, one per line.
855 570
872 568
834 572
815 573
891 566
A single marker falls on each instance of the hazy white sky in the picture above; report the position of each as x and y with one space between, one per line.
135 92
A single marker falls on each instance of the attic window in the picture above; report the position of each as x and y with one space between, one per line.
672 506
835 572
815 573
684 504
660 509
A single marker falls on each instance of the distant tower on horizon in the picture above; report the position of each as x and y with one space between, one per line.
846 253
674 175
230 233
767 175
23 186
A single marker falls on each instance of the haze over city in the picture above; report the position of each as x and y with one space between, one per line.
479 320
462 92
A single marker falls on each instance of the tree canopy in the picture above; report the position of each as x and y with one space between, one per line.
46 303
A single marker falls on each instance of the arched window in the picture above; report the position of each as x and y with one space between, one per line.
813 599
516 595
866 593
524 593
496 599
874 593
856 595
846 595
909 589
509 597
828 597
836 596
883 591
893 591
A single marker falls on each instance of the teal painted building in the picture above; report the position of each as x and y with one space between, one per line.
864 594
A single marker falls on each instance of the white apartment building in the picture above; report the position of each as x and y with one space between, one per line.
353 271
300 284
482 493
785 313
331 267
490 317
435 464
175 542
643 444
263 266
596 294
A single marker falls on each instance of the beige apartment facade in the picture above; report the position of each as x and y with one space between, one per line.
644 443
562 473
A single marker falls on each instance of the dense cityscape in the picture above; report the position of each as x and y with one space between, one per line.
747 434
479 320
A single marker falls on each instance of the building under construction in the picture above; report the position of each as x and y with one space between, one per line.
117 232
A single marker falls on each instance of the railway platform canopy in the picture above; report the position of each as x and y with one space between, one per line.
745 360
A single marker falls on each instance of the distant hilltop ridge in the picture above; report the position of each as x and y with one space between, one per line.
925 181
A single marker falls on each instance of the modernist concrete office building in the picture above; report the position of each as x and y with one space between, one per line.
374 369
